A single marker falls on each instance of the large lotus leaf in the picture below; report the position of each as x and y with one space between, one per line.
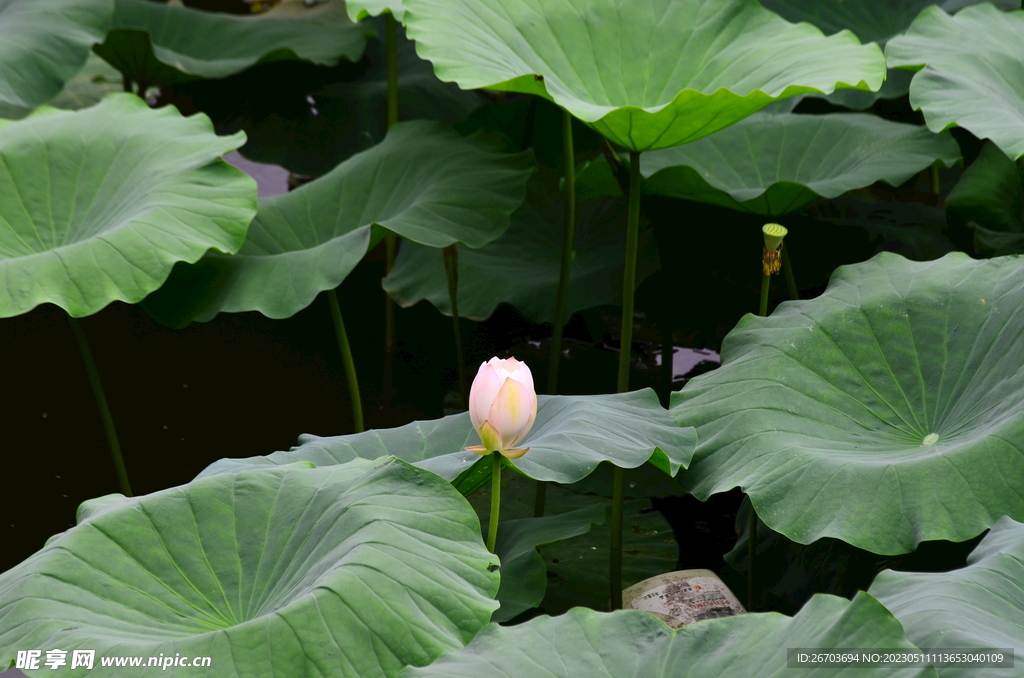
979 606
96 80
524 577
633 643
646 74
886 412
775 164
44 44
160 43
573 570
360 9
990 197
973 71
97 205
324 572
347 117
571 436
522 267
870 20
424 182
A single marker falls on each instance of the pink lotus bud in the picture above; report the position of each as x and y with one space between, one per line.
502 406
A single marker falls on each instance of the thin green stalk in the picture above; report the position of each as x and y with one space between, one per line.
492 527
766 282
391 240
346 357
787 270
751 548
668 352
390 339
540 499
101 403
618 490
625 352
564 277
629 272
568 238
451 268
935 181
752 522
391 44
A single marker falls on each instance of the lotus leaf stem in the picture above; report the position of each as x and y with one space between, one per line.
787 270
390 338
766 281
346 357
564 277
751 552
391 44
568 238
618 492
752 522
391 240
451 268
492 526
540 499
935 181
629 272
625 352
101 403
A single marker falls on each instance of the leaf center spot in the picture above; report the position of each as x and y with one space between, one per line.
930 439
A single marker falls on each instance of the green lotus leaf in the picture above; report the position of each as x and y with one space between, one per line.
99 204
633 643
361 9
349 116
979 606
886 412
96 80
775 164
524 577
972 76
570 437
647 75
870 20
990 196
325 572
424 182
43 45
522 267
158 43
